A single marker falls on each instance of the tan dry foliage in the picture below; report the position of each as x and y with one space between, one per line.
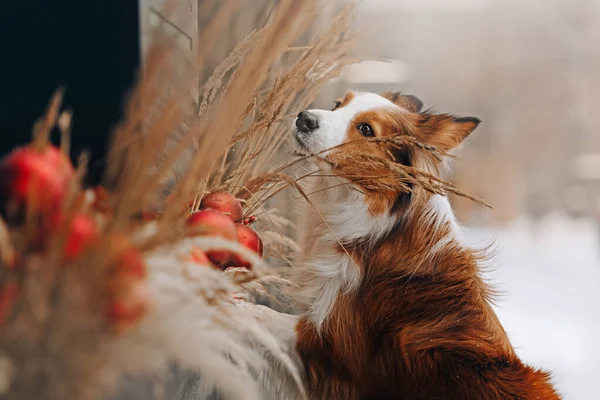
57 335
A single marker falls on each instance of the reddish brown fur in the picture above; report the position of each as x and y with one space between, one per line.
442 131
343 101
420 325
408 102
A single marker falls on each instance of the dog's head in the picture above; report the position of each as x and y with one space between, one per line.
354 137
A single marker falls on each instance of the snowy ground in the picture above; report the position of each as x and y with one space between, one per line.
549 276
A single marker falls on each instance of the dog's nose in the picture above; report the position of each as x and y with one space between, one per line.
307 121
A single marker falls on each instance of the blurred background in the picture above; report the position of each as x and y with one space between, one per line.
92 49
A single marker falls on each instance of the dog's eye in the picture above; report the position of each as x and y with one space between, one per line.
366 130
337 105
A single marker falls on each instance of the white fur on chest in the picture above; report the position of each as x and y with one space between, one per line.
325 270
325 276
342 213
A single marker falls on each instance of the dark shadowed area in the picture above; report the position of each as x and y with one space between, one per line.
92 48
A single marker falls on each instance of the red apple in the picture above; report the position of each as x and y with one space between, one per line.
223 202
132 265
129 306
128 291
38 178
250 239
83 232
213 223
126 260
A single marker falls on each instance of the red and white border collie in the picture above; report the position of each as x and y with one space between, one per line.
401 310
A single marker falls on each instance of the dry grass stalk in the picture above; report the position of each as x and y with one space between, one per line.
399 178
400 175
42 127
57 334
264 135
223 117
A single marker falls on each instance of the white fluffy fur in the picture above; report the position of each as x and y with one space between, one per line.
323 272
277 382
441 212
341 215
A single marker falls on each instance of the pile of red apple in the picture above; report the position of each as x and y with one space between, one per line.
36 181
221 215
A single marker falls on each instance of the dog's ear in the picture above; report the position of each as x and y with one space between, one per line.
445 131
407 101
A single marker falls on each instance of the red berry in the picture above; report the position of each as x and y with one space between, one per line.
249 220
223 202
38 178
250 239
83 232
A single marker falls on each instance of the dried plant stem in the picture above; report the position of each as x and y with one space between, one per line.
44 126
